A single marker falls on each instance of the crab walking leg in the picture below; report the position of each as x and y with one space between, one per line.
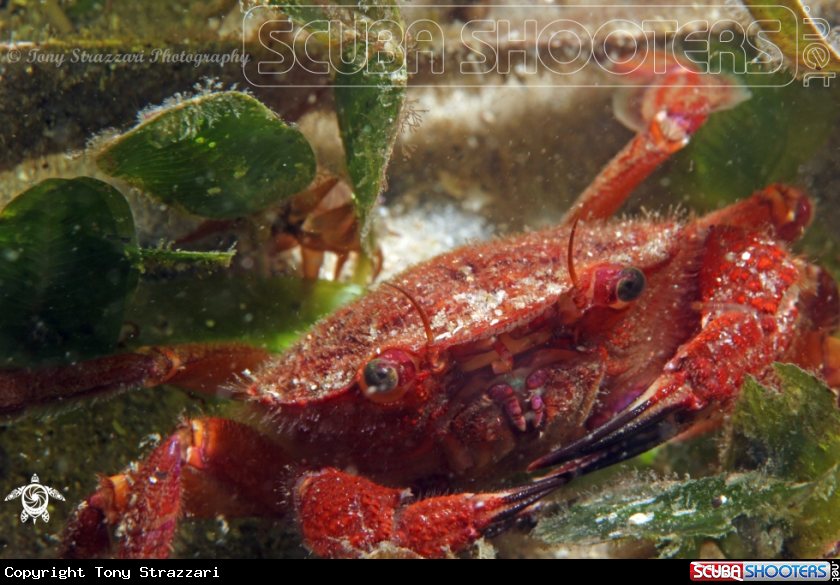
208 467
342 515
669 113
613 185
197 367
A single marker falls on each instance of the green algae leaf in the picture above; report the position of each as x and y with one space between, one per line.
369 86
65 272
795 435
265 312
369 94
368 119
673 513
762 141
217 155
788 26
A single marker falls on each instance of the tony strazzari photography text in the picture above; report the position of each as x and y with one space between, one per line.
163 56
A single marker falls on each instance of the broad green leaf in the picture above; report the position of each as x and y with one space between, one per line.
369 87
65 275
216 155
267 312
800 40
762 141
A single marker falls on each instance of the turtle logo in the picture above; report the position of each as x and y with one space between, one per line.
35 499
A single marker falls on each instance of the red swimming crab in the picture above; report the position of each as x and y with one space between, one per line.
577 347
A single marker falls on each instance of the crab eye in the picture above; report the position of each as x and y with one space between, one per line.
388 377
631 284
380 376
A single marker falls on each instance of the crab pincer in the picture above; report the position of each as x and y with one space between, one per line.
747 312
347 516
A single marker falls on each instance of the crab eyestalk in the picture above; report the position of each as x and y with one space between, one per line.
432 353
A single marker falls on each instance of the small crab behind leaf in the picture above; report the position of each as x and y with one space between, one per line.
320 219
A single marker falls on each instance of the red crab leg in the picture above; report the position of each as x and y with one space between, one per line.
209 467
312 261
197 367
785 210
214 467
667 115
342 515
206 228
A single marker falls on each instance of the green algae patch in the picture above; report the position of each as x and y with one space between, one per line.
224 307
795 435
218 155
675 514
65 272
762 141
776 497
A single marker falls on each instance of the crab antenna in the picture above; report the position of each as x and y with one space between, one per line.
430 339
572 273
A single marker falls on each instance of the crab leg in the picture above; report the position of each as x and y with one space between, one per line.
343 515
208 467
784 210
613 185
196 367
213 467
665 116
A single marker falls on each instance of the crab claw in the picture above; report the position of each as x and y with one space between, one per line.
695 385
208 467
747 313
146 514
342 515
